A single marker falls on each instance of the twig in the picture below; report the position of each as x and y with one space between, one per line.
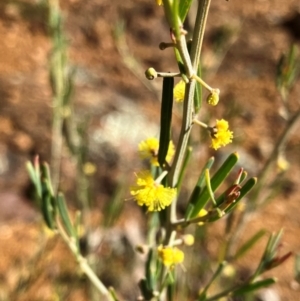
83 264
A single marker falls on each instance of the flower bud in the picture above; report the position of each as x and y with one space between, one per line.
188 239
213 97
151 73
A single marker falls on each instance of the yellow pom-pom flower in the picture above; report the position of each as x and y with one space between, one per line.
221 135
179 91
170 255
159 2
148 149
151 194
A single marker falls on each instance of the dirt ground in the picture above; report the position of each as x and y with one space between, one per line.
243 43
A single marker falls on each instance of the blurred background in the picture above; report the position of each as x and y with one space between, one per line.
109 47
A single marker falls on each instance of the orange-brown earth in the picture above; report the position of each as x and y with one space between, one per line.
243 43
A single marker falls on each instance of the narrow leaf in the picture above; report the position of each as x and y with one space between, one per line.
31 172
35 179
243 177
212 279
77 224
171 288
64 214
254 286
180 65
149 273
47 176
165 119
184 7
186 160
47 208
249 244
216 181
114 206
146 292
198 188
198 92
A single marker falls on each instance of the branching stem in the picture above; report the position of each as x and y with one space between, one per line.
191 64
83 264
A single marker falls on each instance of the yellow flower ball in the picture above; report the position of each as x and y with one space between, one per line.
151 194
170 255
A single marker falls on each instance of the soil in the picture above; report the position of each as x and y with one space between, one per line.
243 43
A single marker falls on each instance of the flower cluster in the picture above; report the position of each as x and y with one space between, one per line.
170 255
148 149
150 193
221 135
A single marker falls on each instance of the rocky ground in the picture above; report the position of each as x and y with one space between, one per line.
242 46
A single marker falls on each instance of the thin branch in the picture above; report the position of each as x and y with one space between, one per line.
83 264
